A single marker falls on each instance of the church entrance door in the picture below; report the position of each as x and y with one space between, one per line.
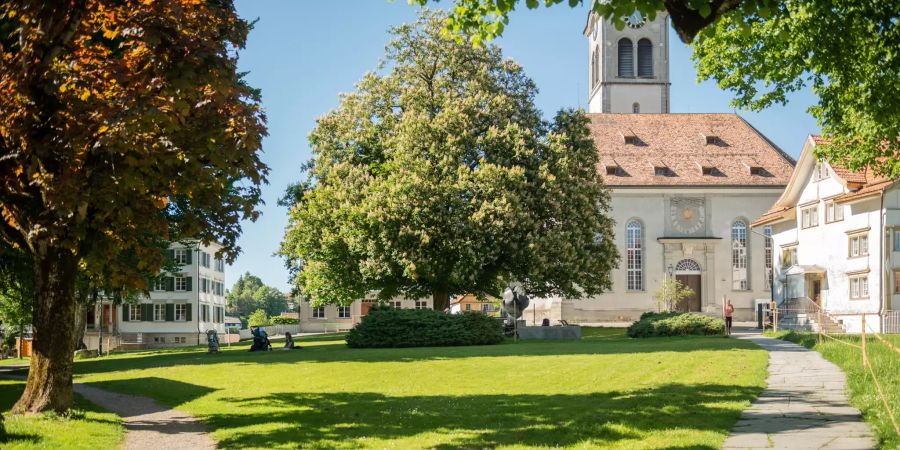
691 303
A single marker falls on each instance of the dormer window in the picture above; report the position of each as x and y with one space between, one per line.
712 139
821 171
708 170
757 171
660 169
613 170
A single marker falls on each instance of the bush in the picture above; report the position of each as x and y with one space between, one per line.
283 320
259 318
394 327
675 324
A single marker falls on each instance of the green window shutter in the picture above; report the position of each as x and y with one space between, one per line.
189 284
126 312
171 255
170 283
170 312
147 312
187 313
190 253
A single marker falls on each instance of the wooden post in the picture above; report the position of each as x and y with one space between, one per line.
865 358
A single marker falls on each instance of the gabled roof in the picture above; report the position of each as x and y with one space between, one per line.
680 142
860 184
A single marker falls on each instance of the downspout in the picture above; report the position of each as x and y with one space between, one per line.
196 314
885 280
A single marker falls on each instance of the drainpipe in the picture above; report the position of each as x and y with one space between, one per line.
885 285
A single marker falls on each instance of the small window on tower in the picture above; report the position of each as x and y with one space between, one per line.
636 108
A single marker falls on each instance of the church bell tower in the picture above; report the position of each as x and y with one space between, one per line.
628 70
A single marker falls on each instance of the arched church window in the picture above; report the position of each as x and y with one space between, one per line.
595 67
635 256
739 280
636 107
645 58
687 265
626 58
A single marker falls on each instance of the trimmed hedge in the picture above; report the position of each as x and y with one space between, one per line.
395 327
675 324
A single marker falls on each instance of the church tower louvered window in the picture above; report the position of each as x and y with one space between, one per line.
645 58
626 58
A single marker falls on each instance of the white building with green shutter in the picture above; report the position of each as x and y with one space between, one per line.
181 307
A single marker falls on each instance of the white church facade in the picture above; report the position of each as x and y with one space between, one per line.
684 187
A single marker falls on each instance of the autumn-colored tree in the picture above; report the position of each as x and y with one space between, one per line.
439 176
121 124
845 51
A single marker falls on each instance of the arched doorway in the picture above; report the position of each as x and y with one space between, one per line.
687 271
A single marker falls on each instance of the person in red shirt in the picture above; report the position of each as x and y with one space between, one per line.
729 311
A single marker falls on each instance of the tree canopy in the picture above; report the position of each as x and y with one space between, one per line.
249 294
123 125
439 176
762 50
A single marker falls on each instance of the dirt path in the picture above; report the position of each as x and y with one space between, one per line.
148 425
804 406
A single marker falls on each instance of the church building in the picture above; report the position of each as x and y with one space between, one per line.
684 187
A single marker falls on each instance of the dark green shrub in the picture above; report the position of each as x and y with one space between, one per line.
394 327
675 324
283 320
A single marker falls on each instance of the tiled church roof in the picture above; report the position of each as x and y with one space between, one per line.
686 150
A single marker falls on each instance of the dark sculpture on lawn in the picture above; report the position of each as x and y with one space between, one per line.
212 339
514 302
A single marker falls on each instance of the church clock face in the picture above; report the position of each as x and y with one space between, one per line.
687 215
635 20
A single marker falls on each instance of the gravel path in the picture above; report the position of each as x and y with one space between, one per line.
805 405
148 425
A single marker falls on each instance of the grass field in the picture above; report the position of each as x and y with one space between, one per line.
85 427
863 394
604 391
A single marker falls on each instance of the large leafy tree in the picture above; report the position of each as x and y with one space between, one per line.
439 176
121 124
762 50
249 294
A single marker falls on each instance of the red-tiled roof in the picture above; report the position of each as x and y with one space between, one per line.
865 191
680 142
772 215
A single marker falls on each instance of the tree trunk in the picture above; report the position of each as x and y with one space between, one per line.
78 330
440 300
49 385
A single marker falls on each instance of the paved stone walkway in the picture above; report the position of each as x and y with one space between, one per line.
148 425
805 405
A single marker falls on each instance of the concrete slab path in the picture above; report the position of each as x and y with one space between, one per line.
805 405
148 425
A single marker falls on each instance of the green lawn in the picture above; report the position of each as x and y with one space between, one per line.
863 394
15 361
86 427
604 391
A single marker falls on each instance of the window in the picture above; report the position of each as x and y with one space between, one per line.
632 140
635 256
833 212
661 171
159 312
821 171
739 280
134 312
809 217
897 281
204 259
468 306
645 58
767 232
595 67
318 312
613 170
219 265
180 312
897 240
159 284
343 312
636 108
708 170
859 245
789 256
181 256
396 304
626 58
181 283
757 171
204 313
485 308
859 286
421 304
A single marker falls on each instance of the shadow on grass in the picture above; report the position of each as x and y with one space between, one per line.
319 349
323 420
164 391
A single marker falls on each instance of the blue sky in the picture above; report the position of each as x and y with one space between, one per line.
303 54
